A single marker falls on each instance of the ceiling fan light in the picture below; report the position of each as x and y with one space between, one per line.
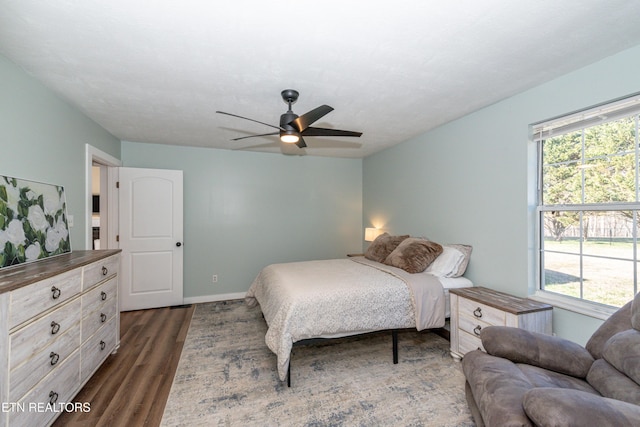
290 137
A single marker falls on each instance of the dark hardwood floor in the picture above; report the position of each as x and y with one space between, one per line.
131 388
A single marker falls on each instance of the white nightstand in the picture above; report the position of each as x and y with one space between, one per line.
475 308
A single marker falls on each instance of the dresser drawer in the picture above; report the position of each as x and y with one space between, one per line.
483 312
96 319
57 387
31 300
29 373
468 342
25 342
98 347
472 326
98 271
99 296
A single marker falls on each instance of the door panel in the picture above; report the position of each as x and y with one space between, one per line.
151 233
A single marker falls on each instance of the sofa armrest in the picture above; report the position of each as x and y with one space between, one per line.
565 407
532 348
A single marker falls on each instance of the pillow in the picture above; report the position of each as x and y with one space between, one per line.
447 263
452 262
414 255
466 250
384 244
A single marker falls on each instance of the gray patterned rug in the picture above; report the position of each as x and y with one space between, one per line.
227 377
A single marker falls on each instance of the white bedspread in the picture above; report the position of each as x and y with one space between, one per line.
340 297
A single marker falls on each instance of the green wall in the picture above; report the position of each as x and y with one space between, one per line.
245 210
472 180
42 138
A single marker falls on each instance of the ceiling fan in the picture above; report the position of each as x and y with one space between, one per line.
293 127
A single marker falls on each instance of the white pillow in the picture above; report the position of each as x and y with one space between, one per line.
447 263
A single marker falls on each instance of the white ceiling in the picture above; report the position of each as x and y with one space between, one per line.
156 71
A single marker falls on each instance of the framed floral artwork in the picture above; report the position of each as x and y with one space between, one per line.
33 221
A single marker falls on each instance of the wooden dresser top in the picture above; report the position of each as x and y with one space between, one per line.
25 274
500 300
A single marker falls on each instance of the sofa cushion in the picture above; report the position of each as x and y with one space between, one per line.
498 387
635 312
622 351
617 322
612 383
558 407
541 377
545 351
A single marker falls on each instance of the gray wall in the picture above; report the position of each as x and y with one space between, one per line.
244 210
42 138
472 180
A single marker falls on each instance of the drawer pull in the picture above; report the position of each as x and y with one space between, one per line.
55 327
54 358
477 330
55 292
104 271
477 312
103 295
53 397
102 345
103 317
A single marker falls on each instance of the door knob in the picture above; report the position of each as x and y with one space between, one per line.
178 244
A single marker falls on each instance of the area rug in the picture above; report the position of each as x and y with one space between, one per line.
227 377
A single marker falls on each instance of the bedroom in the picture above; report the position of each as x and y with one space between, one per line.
409 188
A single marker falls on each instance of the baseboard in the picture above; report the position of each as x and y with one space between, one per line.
213 298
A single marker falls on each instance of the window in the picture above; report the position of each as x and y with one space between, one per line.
589 203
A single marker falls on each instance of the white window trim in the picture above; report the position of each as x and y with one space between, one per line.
595 310
592 116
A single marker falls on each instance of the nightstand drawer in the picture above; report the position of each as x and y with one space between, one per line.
468 342
472 326
481 312
475 308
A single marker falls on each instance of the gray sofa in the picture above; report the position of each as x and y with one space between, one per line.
526 378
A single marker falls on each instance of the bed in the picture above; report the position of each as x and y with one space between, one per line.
342 297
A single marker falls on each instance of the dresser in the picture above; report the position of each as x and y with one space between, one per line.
475 308
59 321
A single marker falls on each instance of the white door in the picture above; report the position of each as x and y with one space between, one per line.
150 233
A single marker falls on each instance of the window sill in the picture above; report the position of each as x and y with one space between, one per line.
594 310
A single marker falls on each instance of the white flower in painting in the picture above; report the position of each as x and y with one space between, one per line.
13 196
55 235
37 219
52 201
32 253
31 195
13 233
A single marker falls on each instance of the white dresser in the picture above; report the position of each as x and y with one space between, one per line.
475 308
60 320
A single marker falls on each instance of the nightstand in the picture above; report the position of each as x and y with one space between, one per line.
475 308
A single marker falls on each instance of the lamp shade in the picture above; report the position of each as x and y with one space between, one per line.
370 234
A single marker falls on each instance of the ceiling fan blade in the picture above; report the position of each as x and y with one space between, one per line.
254 136
246 118
301 143
305 120
310 131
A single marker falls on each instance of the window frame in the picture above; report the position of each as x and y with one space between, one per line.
561 125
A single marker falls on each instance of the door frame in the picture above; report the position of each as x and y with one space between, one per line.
95 155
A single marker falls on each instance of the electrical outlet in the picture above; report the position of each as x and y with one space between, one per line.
214 279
